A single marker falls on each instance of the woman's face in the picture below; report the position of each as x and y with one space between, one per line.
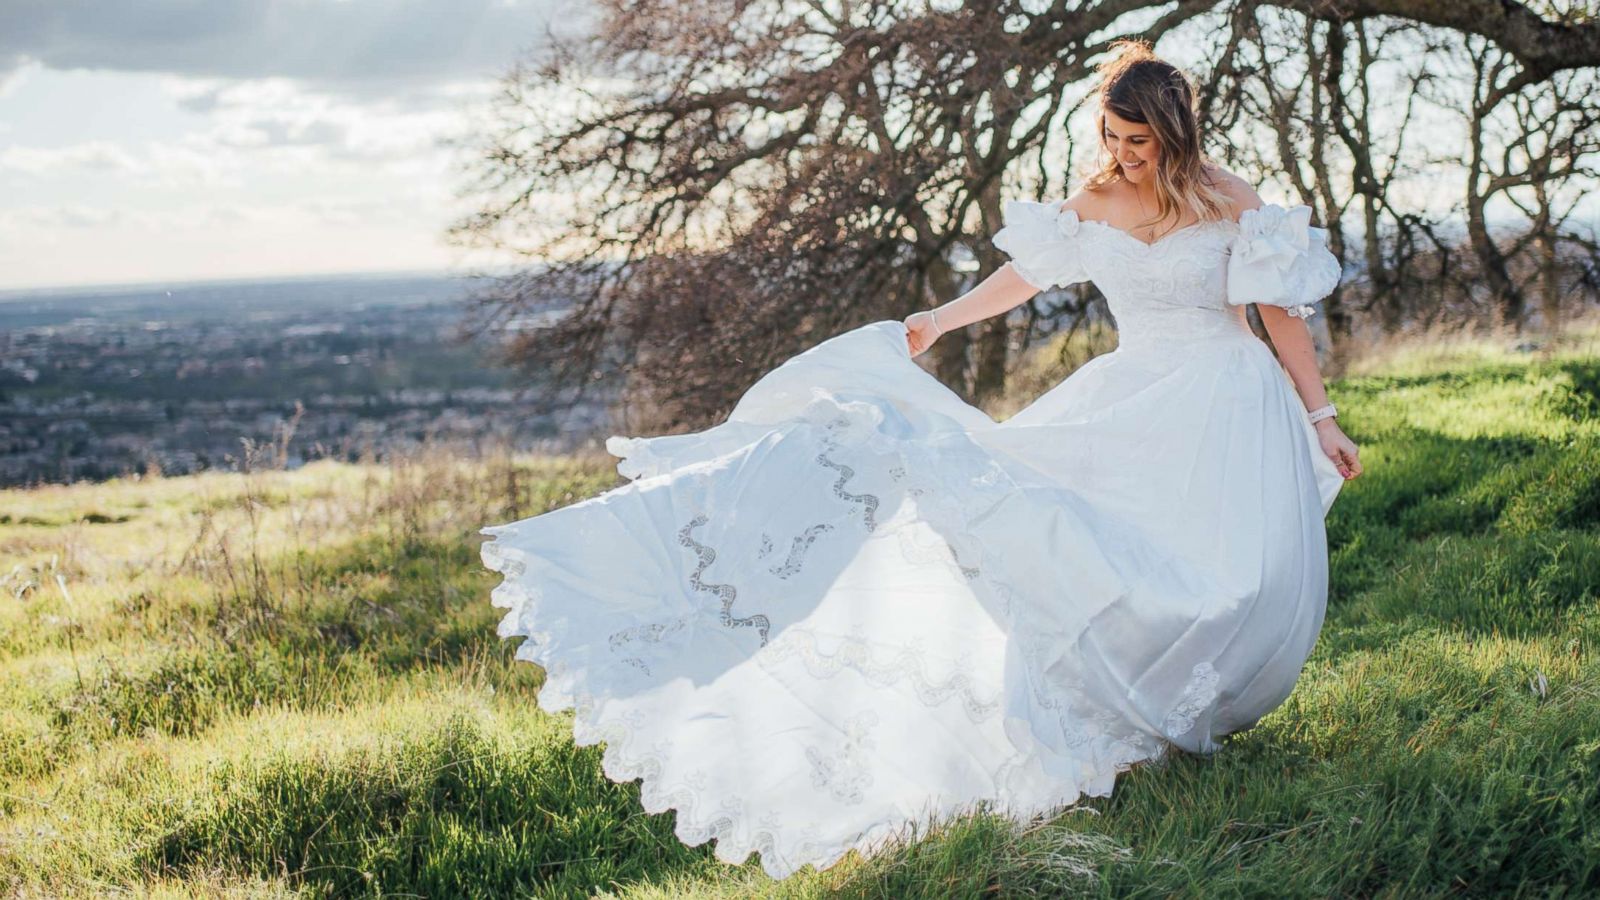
1132 145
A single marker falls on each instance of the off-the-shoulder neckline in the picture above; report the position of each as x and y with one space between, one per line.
1165 237
1236 223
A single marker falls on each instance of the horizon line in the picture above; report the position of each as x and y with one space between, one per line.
13 291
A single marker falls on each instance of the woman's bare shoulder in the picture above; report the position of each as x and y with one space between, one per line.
1089 202
1241 194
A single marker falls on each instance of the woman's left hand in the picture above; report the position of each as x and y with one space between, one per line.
1343 451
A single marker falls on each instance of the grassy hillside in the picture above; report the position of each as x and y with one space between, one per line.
288 683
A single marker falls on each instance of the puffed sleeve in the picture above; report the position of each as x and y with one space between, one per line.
1281 259
1042 241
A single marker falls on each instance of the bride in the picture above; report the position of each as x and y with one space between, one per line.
861 603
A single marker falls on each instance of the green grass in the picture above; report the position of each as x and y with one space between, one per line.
288 684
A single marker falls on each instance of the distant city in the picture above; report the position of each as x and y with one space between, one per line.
100 382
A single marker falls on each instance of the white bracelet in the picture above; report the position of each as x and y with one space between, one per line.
934 315
1322 412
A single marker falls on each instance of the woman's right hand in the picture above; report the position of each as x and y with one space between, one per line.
920 331
1345 454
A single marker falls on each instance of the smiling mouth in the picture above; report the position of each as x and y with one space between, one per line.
1132 165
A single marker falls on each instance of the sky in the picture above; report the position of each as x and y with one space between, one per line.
173 140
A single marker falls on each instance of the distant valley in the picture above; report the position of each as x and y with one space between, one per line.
100 382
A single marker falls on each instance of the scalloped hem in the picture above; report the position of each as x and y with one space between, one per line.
1035 781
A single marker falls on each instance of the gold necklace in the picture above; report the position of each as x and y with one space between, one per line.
1139 197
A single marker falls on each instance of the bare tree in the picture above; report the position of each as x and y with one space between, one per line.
1318 85
761 174
1545 36
1530 142
712 185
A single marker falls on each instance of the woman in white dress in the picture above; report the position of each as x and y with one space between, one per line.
860 603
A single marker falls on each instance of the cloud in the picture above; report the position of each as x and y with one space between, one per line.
100 156
255 129
205 137
56 218
352 45
12 77
188 218
357 211
264 131
280 115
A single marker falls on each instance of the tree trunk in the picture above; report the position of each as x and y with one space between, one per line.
950 351
1507 298
993 347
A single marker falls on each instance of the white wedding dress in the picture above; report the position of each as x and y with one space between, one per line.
861 602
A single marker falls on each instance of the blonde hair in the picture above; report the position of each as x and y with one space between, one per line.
1140 87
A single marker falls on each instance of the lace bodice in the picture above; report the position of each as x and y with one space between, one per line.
1185 284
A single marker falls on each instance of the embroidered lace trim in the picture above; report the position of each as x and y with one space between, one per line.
948 499
908 665
1198 695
